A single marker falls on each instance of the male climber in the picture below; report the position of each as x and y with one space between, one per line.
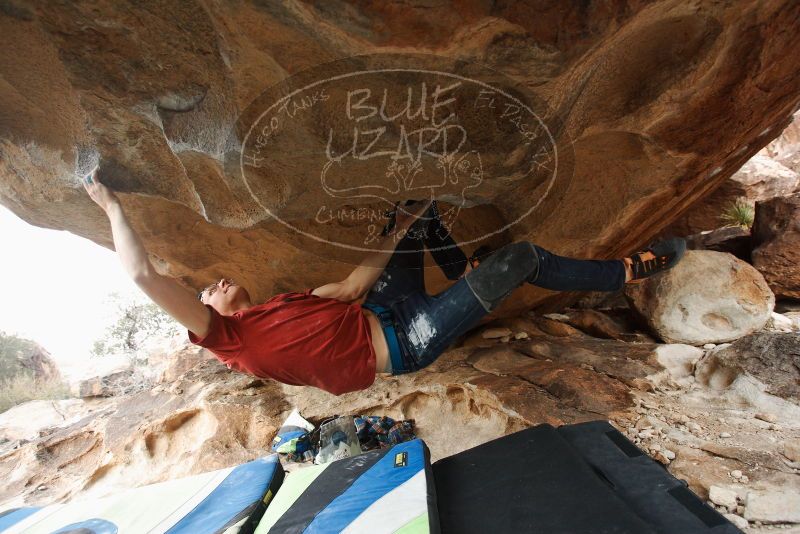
323 337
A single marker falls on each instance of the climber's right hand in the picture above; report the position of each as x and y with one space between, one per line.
102 195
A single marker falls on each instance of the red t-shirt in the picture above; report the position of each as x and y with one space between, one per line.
296 338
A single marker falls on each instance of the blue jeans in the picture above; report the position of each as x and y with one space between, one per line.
427 324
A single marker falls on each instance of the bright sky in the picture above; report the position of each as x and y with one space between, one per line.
55 289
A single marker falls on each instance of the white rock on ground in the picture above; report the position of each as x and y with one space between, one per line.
496 333
781 323
678 358
768 417
794 316
722 496
739 521
773 506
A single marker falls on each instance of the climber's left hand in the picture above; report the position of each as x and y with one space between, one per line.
102 195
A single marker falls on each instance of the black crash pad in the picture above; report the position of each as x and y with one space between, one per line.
662 500
585 478
529 481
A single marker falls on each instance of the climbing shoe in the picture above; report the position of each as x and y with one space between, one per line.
665 254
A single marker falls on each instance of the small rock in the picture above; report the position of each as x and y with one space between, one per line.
556 316
646 433
722 496
736 474
495 333
724 434
669 454
694 427
521 335
740 522
587 367
708 346
791 449
644 423
505 339
660 458
768 417
744 479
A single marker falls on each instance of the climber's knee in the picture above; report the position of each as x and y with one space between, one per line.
502 272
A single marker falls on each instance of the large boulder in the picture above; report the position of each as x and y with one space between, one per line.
651 107
776 236
23 356
771 358
708 297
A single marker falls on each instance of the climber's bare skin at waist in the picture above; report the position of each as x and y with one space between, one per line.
382 363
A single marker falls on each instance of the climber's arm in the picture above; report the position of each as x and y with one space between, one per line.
368 271
168 294
363 277
337 290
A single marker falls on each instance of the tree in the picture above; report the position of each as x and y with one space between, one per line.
135 324
18 377
13 349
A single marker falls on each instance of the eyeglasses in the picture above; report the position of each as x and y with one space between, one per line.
212 288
